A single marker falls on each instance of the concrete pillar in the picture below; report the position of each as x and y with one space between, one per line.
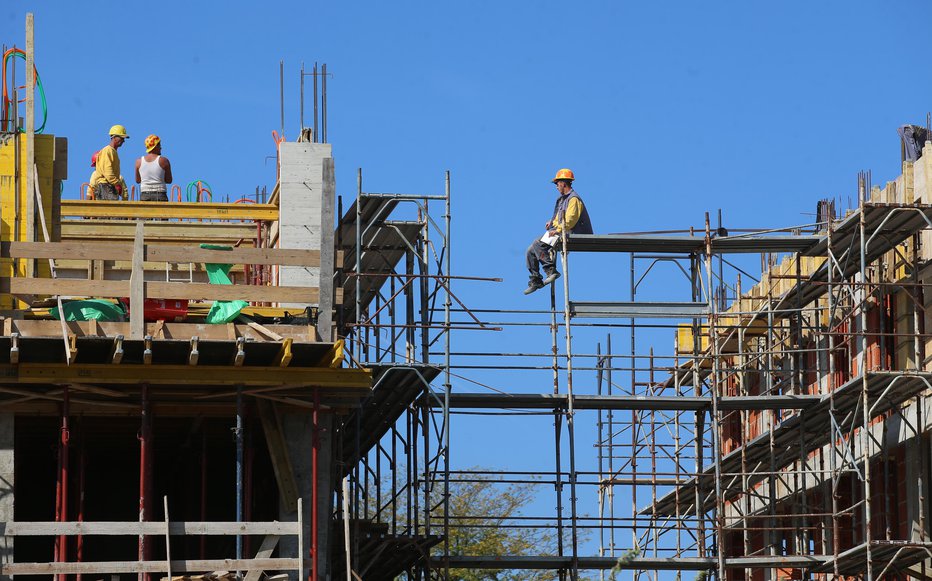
307 194
6 483
299 433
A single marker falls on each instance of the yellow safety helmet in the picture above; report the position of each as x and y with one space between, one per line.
152 142
564 174
119 131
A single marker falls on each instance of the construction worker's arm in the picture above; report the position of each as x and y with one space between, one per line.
108 167
124 191
573 211
138 177
167 166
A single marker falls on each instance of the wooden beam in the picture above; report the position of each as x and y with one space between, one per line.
216 292
164 290
165 232
69 250
265 551
278 451
67 287
171 331
155 253
273 256
30 128
99 373
162 210
189 565
137 528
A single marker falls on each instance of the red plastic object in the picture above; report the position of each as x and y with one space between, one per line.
175 310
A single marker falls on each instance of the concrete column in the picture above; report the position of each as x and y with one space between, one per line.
6 483
298 432
307 193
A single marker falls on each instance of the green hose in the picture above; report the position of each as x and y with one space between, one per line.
9 104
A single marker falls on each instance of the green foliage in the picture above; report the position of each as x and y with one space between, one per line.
480 512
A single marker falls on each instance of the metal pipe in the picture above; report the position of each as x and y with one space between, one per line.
865 407
281 94
316 137
238 435
315 447
203 513
447 383
82 470
570 412
323 103
145 443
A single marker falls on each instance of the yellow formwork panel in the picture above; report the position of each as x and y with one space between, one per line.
685 343
14 202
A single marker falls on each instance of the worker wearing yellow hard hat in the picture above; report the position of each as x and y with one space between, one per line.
107 182
153 172
569 216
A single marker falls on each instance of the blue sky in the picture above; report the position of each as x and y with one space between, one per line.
665 110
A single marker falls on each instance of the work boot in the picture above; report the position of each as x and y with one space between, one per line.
551 276
533 285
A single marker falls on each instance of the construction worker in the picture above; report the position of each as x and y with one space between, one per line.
92 182
570 214
108 183
153 172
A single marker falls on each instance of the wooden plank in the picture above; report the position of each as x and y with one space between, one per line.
30 131
83 288
350 380
278 451
273 256
265 551
136 528
137 289
165 232
176 331
192 565
161 210
70 250
216 292
164 253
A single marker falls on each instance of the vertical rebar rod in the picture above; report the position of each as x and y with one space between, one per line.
301 99
323 103
281 93
316 136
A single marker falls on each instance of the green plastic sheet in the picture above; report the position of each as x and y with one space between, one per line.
221 312
87 310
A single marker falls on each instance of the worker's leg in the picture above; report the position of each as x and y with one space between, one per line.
105 191
539 254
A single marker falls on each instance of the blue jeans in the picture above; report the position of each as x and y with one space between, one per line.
540 254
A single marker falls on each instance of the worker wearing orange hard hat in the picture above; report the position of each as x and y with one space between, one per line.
569 215
153 172
108 183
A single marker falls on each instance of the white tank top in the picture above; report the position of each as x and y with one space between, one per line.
152 174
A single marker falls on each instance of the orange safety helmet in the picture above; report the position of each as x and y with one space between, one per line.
94 159
152 142
564 174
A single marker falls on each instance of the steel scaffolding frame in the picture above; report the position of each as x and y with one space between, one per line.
752 451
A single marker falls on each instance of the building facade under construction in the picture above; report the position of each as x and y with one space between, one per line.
271 387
